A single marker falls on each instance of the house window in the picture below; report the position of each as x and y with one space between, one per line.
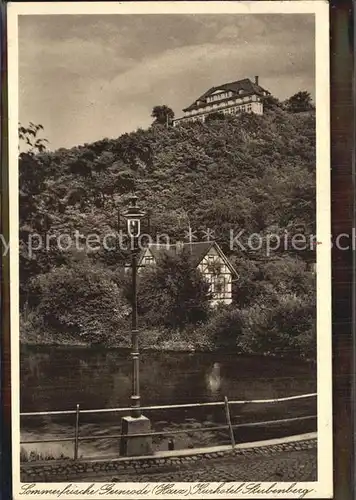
149 260
220 287
208 279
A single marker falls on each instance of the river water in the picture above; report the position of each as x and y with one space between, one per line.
59 378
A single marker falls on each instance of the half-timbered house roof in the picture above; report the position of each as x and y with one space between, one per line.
196 250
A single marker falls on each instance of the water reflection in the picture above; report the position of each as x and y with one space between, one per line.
213 379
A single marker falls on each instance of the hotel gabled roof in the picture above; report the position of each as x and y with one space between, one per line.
246 85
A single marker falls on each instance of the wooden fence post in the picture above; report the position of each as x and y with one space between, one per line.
228 419
76 434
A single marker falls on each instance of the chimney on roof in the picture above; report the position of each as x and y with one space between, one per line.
256 80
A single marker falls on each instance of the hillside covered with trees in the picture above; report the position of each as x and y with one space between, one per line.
246 172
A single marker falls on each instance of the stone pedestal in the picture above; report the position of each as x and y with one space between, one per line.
130 447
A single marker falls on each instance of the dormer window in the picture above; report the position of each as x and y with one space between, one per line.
218 96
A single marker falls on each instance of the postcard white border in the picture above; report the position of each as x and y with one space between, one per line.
323 488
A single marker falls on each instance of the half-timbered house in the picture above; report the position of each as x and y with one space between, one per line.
205 256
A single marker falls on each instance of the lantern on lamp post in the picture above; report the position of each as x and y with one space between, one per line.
133 216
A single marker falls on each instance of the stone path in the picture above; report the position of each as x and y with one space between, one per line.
285 466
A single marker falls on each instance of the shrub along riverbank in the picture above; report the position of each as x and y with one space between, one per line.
273 325
273 311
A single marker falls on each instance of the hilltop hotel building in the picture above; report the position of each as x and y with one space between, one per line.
229 98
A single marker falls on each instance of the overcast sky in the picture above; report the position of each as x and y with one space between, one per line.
88 77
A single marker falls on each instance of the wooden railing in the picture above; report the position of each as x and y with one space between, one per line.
226 404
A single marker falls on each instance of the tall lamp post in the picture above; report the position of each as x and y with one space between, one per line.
136 423
133 216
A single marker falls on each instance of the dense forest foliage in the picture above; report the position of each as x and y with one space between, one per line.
245 172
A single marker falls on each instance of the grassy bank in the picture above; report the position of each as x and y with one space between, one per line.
150 339
40 453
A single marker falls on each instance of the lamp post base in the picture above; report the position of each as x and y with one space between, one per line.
135 446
